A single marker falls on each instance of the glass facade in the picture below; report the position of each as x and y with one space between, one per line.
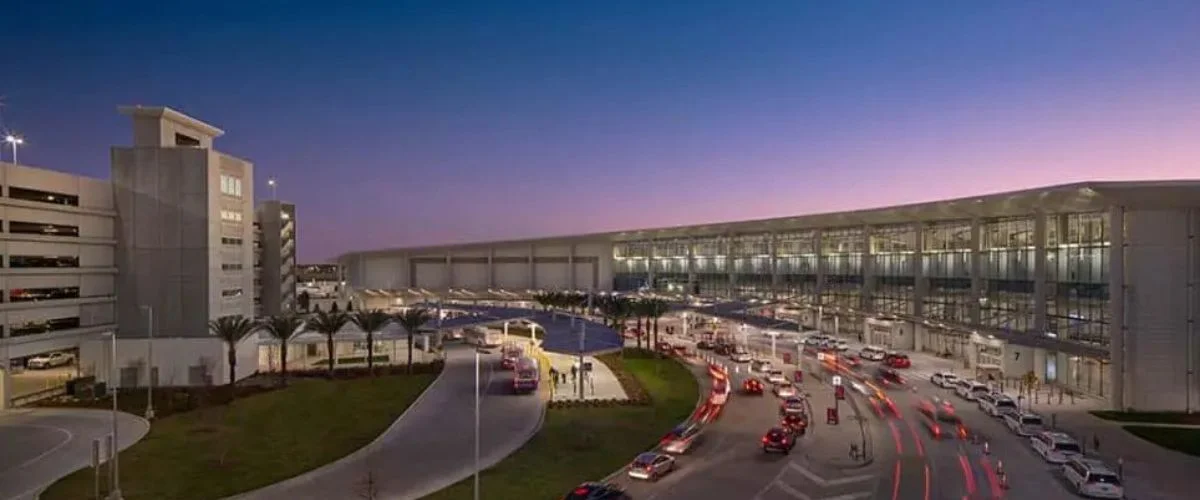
980 273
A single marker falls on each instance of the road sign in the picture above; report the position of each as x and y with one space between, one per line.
837 380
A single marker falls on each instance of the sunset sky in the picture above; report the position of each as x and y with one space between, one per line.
409 123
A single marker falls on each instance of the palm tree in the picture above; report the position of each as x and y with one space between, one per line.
412 320
656 308
282 328
640 308
546 300
328 323
370 322
231 330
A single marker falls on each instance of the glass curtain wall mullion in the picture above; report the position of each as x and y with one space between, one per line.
751 256
842 252
946 266
797 261
1077 255
631 265
1008 273
670 265
711 266
894 251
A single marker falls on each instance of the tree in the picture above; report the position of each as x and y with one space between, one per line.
640 308
546 300
316 308
350 305
334 307
231 330
369 322
656 308
412 320
328 324
282 328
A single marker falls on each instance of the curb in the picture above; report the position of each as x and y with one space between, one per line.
36 492
354 455
701 400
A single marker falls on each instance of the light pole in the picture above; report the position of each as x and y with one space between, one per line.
149 362
477 398
115 494
14 141
271 183
6 383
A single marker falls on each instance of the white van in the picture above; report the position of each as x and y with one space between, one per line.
997 405
872 353
970 389
1055 447
1091 478
1024 423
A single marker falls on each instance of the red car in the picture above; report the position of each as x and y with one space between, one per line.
796 423
888 376
508 363
941 420
897 360
752 386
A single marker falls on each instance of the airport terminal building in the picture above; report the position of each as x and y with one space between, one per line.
1091 286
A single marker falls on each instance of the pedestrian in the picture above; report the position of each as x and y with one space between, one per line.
554 375
1095 442
574 371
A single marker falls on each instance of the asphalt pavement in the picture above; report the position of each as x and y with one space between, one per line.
431 446
38 446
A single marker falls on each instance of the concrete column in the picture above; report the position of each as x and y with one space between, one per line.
691 264
819 242
449 272
977 256
729 247
868 271
532 267
920 284
491 268
773 249
1116 305
650 269
571 268
1040 290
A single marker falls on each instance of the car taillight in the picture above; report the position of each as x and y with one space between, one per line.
581 491
766 440
937 431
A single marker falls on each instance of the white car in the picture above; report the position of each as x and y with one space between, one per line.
997 405
945 380
841 346
815 340
762 366
43 361
872 353
776 377
1055 447
970 390
740 357
1091 478
785 391
1024 423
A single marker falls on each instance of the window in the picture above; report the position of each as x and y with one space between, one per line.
44 326
231 267
231 292
27 261
231 241
19 193
231 186
20 227
186 140
231 216
36 294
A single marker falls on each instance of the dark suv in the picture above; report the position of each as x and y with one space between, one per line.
778 439
597 491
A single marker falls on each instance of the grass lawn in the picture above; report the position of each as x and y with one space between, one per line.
1178 439
1157 417
580 444
222 450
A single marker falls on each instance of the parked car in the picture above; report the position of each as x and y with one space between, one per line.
970 390
1092 478
597 491
997 405
51 360
945 380
1055 447
872 353
1024 423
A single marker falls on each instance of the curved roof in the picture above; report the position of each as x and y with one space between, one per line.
1076 197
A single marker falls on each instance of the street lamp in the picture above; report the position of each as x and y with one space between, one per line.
14 141
477 397
149 361
271 184
115 494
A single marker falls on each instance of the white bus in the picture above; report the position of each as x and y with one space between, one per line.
483 336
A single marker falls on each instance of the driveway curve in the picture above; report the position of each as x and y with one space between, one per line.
431 445
42 445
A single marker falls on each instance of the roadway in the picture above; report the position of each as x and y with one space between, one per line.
908 462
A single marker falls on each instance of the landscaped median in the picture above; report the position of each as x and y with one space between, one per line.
209 450
581 441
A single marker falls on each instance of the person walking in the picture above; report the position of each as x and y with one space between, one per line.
554 375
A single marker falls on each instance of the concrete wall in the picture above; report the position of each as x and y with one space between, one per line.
174 359
1161 351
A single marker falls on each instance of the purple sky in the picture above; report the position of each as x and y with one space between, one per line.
411 123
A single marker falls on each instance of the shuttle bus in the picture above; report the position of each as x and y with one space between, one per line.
483 336
526 376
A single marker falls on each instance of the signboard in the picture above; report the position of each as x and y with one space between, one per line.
821 356
837 380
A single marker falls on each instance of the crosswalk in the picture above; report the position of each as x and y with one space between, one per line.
799 482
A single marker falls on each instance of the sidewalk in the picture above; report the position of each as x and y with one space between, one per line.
600 383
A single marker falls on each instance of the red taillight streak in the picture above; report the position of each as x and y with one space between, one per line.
875 407
927 481
916 440
896 438
896 482
968 476
993 479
